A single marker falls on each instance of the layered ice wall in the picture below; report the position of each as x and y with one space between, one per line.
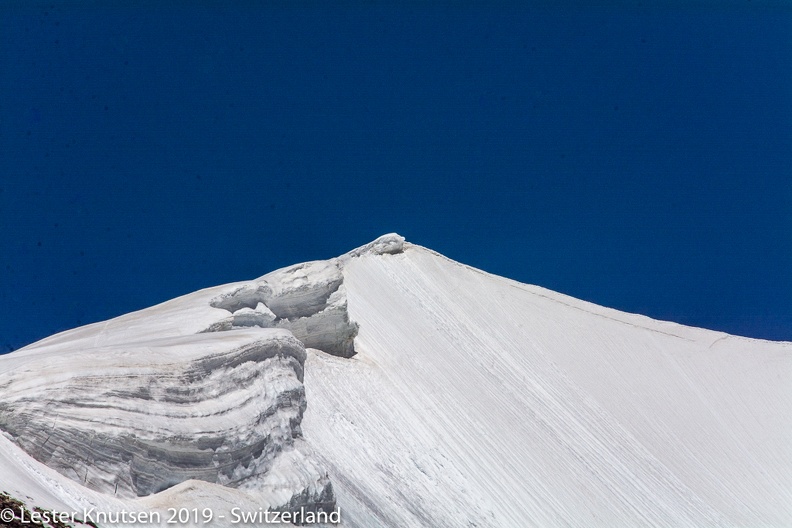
138 419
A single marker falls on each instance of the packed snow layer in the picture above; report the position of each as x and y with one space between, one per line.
437 395
478 401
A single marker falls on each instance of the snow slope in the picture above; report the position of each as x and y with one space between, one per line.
470 400
478 401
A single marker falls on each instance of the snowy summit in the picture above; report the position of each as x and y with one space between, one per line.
394 387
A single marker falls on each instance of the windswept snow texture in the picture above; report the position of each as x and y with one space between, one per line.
478 401
437 395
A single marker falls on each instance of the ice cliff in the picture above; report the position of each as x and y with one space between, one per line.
308 299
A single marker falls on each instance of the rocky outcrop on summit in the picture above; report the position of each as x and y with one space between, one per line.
138 419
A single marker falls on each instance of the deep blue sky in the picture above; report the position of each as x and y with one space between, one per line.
636 157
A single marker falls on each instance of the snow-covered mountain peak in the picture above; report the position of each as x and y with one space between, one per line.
408 390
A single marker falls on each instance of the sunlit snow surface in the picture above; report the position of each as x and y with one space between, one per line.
474 400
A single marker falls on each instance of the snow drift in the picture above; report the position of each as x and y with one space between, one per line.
407 390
